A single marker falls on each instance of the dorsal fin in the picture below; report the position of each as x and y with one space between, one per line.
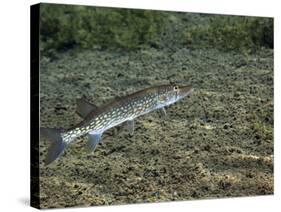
84 108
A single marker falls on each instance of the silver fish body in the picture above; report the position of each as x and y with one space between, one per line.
99 119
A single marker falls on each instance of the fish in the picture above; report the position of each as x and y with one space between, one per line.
96 120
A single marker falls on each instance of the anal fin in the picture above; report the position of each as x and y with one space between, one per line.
93 140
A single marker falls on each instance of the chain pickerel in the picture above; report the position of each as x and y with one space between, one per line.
96 120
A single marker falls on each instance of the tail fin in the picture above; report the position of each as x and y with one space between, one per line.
57 146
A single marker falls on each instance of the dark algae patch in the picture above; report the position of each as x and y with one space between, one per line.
218 142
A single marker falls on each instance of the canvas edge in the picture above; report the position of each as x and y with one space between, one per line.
34 106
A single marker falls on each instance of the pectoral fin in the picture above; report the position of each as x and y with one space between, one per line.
93 140
163 112
84 108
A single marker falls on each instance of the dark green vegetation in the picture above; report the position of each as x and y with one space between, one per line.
65 27
216 143
244 34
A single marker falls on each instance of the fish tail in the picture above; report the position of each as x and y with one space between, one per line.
57 146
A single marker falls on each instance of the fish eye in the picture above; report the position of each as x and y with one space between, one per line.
176 88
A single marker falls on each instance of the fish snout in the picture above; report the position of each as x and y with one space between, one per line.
185 90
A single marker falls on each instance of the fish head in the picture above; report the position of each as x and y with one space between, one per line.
169 94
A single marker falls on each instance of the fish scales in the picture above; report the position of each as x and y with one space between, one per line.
97 120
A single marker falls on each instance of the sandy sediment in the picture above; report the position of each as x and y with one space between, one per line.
216 143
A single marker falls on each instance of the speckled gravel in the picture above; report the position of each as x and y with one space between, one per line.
216 143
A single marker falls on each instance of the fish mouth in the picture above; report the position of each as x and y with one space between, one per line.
185 91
